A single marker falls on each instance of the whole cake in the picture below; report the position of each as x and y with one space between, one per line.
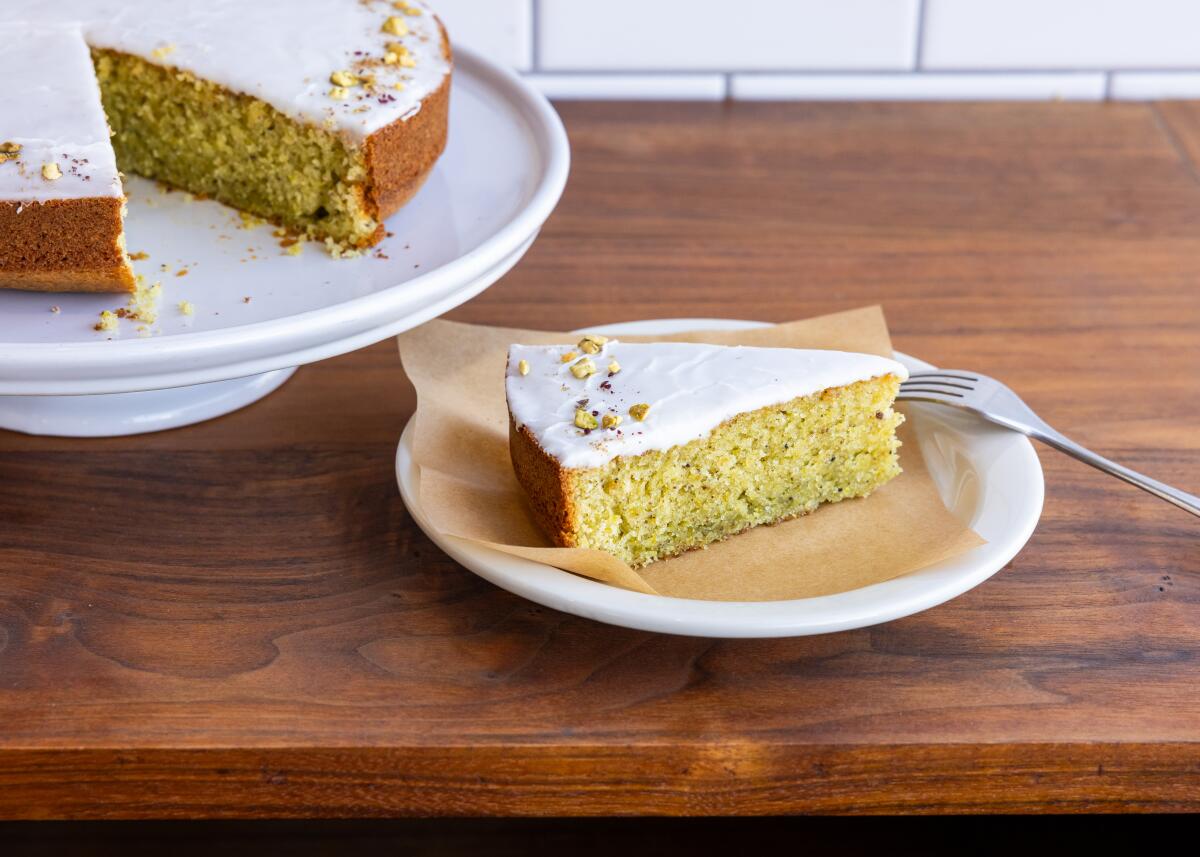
322 116
650 450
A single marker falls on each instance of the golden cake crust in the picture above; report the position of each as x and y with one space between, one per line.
401 155
547 485
64 245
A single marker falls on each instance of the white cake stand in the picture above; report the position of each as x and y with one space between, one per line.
259 312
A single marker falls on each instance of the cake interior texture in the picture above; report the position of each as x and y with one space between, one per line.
759 467
172 126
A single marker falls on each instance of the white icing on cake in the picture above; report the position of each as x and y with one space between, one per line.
280 51
690 388
50 107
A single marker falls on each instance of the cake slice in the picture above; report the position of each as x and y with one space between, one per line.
650 450
61 202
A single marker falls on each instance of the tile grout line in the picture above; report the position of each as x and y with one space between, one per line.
535 35
919 51
856 72
728 79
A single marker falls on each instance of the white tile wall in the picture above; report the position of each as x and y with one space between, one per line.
840 49
1045 34
716 35
500 29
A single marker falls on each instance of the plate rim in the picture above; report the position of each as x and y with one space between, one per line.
279 337
731 619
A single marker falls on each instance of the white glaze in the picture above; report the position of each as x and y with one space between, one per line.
280 51
690 388
50 106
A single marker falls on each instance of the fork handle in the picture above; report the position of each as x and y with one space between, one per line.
1182 499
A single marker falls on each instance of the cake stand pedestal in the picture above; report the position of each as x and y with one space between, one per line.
119 414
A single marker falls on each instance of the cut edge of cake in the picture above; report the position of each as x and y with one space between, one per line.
313 181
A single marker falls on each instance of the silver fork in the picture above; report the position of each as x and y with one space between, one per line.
996 403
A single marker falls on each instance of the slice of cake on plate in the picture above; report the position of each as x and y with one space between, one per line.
322 116
650 450
61 202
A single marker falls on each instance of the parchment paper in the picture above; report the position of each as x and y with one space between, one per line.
468 488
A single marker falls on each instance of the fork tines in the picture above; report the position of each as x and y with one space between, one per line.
941 383
956 374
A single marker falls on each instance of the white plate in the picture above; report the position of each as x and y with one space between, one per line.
502 174
988 476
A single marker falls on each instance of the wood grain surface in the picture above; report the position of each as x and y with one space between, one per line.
239 619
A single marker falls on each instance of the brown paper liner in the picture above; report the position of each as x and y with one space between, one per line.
468 490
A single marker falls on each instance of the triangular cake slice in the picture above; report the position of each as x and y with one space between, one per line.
61 202
650 450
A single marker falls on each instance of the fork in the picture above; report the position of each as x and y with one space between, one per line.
996 403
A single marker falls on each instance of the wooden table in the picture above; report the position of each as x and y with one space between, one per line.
239 619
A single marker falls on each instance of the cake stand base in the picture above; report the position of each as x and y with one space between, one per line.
118 414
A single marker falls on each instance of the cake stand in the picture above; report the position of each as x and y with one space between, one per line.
239 312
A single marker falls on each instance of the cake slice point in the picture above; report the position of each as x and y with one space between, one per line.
647 450
61 202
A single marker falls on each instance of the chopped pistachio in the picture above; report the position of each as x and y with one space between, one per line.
592 343
395 26
339 93
186 308
51 172
611 420
523 367
584 419
583 368
9 151
403 56
639 411
569 356
344 78
614 367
